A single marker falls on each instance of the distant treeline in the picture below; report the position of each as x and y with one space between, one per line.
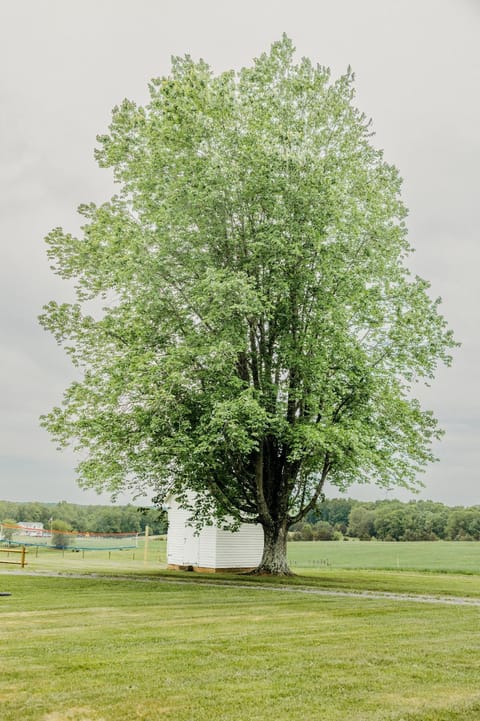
334 519
92 519
389 521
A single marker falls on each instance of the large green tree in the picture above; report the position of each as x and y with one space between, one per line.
261 331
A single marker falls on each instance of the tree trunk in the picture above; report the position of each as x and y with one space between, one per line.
274 559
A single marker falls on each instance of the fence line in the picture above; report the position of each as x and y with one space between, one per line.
22 551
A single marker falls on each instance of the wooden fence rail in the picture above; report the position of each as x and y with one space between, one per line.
22 551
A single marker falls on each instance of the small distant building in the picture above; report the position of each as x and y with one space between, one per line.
211 549
31 528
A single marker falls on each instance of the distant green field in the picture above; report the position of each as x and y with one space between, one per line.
443 556
44 557
88 543
438 556
94 649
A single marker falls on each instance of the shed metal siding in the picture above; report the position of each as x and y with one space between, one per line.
242 549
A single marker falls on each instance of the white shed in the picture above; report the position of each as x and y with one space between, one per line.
211 549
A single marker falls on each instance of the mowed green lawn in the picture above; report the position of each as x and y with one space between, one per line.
93 649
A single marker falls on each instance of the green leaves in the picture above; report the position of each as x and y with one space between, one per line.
260 330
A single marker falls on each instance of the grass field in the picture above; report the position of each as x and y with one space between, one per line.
96 649
443 556
44 557
440 556
430 568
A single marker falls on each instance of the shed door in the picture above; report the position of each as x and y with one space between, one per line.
191 548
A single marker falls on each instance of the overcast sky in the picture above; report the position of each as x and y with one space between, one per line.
66 63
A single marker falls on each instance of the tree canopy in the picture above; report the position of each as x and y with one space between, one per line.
261 331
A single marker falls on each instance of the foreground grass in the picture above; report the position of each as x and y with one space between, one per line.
104 650
402 582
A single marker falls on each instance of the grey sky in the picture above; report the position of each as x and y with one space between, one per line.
66 63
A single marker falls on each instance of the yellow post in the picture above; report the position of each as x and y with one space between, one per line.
23 556
145 549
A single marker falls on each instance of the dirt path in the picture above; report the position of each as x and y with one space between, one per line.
364 595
